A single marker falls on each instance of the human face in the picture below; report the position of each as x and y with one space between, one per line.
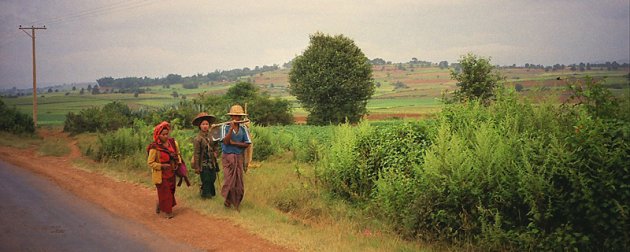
236 117
163 136
204 126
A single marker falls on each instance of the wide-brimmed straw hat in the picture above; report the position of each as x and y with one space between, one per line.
237 110
203 116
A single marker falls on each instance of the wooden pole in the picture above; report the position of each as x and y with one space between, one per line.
32 35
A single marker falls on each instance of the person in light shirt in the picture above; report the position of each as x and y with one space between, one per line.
235 140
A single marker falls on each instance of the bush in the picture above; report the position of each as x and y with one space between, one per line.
180 114
15 121
502 175
190 85
264 144
367 152
120 144
305 142
110 117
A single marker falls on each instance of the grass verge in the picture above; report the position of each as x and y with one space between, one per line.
282 204
19 141
53 147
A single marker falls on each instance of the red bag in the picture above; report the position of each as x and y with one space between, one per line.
181 171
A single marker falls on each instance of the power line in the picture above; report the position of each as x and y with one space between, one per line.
94 12
80 12
6 39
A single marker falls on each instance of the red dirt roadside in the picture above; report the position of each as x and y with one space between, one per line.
136 203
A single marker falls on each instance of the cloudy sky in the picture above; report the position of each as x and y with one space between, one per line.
88 39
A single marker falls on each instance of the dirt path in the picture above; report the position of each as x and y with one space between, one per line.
135 202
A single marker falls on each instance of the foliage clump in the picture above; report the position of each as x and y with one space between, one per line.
261 108
499 175
477 79
332 79
110 117
15 121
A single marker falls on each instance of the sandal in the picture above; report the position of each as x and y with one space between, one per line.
169 215
157 208
226 204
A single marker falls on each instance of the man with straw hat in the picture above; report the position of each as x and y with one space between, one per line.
236 139
205 155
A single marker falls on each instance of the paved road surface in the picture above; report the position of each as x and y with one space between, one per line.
36 215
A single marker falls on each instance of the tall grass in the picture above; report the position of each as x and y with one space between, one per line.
54 147
21 141
510 175
506 176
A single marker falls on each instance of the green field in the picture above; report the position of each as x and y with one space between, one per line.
419 96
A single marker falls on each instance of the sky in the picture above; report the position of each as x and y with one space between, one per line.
87 39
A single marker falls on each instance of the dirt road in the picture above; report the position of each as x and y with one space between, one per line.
35 214
132 204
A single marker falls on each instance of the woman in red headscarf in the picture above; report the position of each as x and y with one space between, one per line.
163 160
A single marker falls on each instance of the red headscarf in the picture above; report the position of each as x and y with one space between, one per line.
158 129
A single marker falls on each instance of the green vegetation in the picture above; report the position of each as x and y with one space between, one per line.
112 116
21 141
54 147
505 175
476 79
425 85
332 79
14 121
509 175
505 170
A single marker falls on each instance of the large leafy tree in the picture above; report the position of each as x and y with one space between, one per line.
477 79
332 80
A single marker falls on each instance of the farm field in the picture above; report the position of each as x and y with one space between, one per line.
411 92
346 179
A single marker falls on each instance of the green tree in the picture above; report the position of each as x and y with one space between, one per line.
260 107
173 78
332 80
476 79
242 92
443 64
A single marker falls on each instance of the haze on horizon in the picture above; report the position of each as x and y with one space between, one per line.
87 40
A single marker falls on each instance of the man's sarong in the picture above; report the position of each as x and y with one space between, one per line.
232 189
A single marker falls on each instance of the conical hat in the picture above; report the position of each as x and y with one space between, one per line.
203 116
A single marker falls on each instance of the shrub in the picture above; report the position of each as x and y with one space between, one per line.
514 176
359 156
15 121
119 144
110 117
501 175
264 143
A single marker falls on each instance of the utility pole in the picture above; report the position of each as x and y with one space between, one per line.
32 35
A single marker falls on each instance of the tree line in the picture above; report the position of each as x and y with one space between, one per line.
216 76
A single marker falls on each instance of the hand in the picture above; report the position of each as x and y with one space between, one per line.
197 171
165 166
232 125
